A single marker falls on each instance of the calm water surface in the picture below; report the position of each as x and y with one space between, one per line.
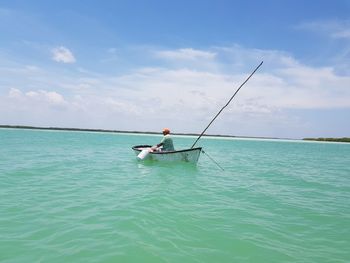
83 197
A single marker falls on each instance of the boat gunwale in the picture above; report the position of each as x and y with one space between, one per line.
165 152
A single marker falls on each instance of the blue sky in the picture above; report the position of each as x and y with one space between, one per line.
145 65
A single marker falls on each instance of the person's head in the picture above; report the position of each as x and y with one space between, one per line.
166 131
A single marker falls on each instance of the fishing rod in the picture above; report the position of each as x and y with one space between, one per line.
227 103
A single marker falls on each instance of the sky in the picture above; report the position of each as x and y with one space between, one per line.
145 65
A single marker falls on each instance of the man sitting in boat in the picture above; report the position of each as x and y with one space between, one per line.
166 144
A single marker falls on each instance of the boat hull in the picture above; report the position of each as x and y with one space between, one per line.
186 155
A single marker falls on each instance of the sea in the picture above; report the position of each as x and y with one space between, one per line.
69 196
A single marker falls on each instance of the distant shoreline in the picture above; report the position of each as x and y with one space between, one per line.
131 132
344 139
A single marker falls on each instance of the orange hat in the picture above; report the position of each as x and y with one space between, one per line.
166 131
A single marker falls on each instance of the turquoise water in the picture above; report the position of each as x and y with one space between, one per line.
83 197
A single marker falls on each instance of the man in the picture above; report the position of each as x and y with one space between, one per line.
166 142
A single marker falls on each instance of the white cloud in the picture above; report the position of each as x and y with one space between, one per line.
344 33
62 54
333 28
186 98
39 96
282 83
186 54
337 52
15 93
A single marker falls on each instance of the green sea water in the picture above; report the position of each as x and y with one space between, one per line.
83 197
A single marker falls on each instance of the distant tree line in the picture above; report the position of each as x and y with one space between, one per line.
344 139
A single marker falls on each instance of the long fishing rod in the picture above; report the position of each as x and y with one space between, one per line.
227 103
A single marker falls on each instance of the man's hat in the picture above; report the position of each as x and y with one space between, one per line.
166 131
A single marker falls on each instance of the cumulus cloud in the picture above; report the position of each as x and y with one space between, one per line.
14 93
282 83
62 54
189 96
48 96
39 96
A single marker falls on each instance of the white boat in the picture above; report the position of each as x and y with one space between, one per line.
187 155
144 152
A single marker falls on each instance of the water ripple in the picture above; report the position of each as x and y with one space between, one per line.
81 197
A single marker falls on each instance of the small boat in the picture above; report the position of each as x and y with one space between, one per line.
191 155
187 155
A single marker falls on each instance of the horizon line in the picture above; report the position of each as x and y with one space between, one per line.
137 132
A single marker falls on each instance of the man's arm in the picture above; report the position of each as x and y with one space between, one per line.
156 146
